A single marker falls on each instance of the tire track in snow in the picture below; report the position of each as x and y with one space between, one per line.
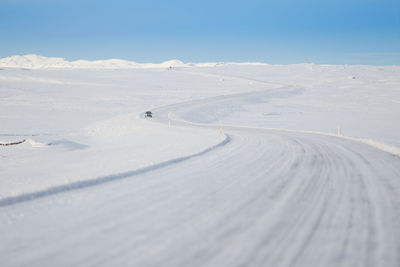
289 210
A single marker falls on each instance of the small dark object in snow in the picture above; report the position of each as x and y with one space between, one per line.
148 114
12 143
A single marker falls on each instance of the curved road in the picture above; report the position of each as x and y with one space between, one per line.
266 198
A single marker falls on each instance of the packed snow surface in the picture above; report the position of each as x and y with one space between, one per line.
241 165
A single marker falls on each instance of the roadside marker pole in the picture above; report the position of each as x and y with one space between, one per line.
338 131
220 131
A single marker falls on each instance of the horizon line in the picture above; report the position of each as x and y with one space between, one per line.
28 61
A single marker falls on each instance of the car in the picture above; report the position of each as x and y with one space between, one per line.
148 114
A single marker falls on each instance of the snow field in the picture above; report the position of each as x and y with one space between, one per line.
96 184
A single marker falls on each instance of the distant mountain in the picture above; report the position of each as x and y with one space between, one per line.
38 62
33 61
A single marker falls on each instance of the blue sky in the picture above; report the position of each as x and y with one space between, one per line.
280 31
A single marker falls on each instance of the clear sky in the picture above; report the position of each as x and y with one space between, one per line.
272 31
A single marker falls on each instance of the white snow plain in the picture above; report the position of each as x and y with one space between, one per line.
243 164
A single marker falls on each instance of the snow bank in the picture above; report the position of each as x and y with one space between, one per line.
121 144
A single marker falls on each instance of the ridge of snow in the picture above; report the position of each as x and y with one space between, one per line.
32 61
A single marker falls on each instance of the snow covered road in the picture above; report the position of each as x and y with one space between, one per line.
264 199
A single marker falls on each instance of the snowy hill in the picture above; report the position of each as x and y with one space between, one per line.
38 62
33 61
